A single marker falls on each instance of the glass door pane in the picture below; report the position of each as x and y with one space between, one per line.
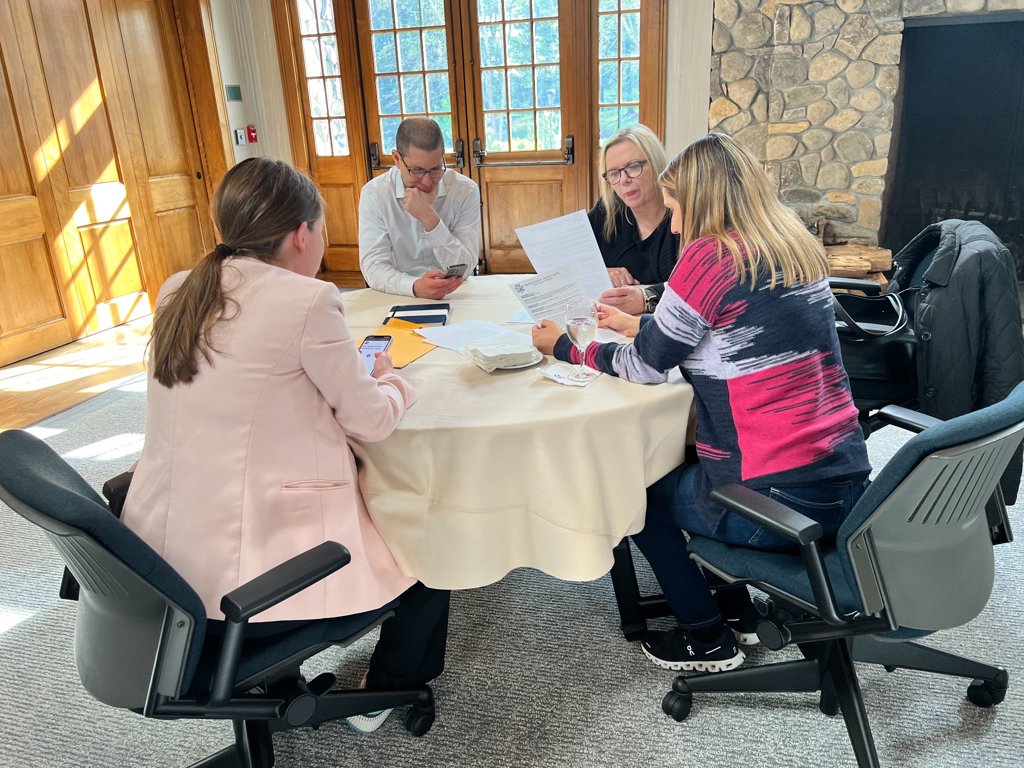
618 65
520 75
322 71
410 64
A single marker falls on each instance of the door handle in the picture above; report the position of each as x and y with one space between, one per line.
478 152
374 156
460 156
568 156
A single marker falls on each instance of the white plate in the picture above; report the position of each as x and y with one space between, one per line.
536 358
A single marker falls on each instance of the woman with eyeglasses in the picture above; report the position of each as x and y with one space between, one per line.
631 222
747 317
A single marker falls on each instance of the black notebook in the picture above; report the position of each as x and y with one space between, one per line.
422 314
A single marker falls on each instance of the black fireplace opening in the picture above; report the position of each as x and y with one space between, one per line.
959 131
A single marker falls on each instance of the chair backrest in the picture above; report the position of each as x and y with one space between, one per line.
132 604
918 542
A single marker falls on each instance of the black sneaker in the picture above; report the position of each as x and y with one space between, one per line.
744 626
675 649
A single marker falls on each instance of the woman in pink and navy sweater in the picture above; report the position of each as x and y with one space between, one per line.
747 316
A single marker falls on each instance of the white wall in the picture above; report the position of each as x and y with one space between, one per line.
247 51
689 72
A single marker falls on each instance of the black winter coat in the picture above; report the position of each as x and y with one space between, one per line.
970 349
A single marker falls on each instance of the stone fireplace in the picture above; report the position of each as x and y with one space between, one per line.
813 89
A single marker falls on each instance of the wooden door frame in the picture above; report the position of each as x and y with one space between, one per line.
194 19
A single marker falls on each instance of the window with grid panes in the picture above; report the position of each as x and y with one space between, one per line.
410 63
618 54
520 75
323 77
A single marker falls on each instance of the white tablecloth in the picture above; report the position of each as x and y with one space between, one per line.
493 471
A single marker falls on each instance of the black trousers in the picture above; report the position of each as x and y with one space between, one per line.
411 648
412 643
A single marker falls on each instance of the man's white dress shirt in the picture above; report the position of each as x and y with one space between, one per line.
393 248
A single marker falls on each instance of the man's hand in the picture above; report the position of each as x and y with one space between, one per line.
420 205
382 364
620 276
545 335
628 298
434 285
617 320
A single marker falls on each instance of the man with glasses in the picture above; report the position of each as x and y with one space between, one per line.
418 222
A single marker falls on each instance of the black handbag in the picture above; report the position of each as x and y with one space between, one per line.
878 345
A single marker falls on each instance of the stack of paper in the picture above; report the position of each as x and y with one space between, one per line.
502 354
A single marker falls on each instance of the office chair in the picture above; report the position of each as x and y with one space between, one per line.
141 637
914 556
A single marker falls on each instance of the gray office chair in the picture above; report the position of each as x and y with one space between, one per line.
914 556
141 638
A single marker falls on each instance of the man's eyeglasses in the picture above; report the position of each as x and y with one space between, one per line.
418 173
631 170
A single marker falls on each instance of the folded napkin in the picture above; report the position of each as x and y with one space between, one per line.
504 353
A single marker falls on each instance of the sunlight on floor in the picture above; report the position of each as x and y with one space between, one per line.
109 449
10 618
51 382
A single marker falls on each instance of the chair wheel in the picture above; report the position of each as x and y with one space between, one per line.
986 693
419 720
677 705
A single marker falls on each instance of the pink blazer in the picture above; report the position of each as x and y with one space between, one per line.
249 464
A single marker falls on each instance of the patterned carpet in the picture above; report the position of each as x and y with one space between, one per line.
538 674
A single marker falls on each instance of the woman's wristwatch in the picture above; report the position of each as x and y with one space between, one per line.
651 297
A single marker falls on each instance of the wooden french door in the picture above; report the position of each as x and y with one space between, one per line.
99 171
523 91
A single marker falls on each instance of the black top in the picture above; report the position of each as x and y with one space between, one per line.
650 261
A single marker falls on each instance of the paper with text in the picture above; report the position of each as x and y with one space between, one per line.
567 241
457 335
546 296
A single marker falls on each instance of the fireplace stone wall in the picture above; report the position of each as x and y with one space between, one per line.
811 87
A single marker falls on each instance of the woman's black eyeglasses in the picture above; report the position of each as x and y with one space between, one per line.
419 173
614 175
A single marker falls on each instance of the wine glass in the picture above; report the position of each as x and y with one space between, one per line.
581 325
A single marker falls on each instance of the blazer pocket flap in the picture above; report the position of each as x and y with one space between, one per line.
315 485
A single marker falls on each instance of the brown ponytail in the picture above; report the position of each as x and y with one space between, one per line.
258 203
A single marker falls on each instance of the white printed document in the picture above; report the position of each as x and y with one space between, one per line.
457 335
567 241
546 296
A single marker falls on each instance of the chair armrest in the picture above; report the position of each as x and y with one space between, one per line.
283 581
906 418
776 517
868 287
790 524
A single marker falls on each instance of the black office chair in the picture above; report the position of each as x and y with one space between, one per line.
142 640
914 556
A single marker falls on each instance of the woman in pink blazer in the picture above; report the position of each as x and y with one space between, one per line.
254 386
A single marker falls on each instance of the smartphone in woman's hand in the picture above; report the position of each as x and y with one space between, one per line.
371 346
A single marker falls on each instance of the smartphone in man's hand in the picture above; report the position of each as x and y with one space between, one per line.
455 270
371 346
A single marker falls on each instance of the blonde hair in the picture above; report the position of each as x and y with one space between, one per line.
720 188
258 203
653 152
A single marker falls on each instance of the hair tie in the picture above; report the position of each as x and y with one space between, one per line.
223 250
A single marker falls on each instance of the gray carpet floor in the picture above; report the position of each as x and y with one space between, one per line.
538 673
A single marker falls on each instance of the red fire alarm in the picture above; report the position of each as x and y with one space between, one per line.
250 134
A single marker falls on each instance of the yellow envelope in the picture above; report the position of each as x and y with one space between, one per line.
406 345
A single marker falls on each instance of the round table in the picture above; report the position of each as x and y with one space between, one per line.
493 471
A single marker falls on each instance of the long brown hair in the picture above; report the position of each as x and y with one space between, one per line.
258 203
720 189
654 154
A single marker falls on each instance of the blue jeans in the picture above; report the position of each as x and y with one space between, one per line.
672 509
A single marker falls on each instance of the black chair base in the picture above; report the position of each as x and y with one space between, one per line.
254 746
